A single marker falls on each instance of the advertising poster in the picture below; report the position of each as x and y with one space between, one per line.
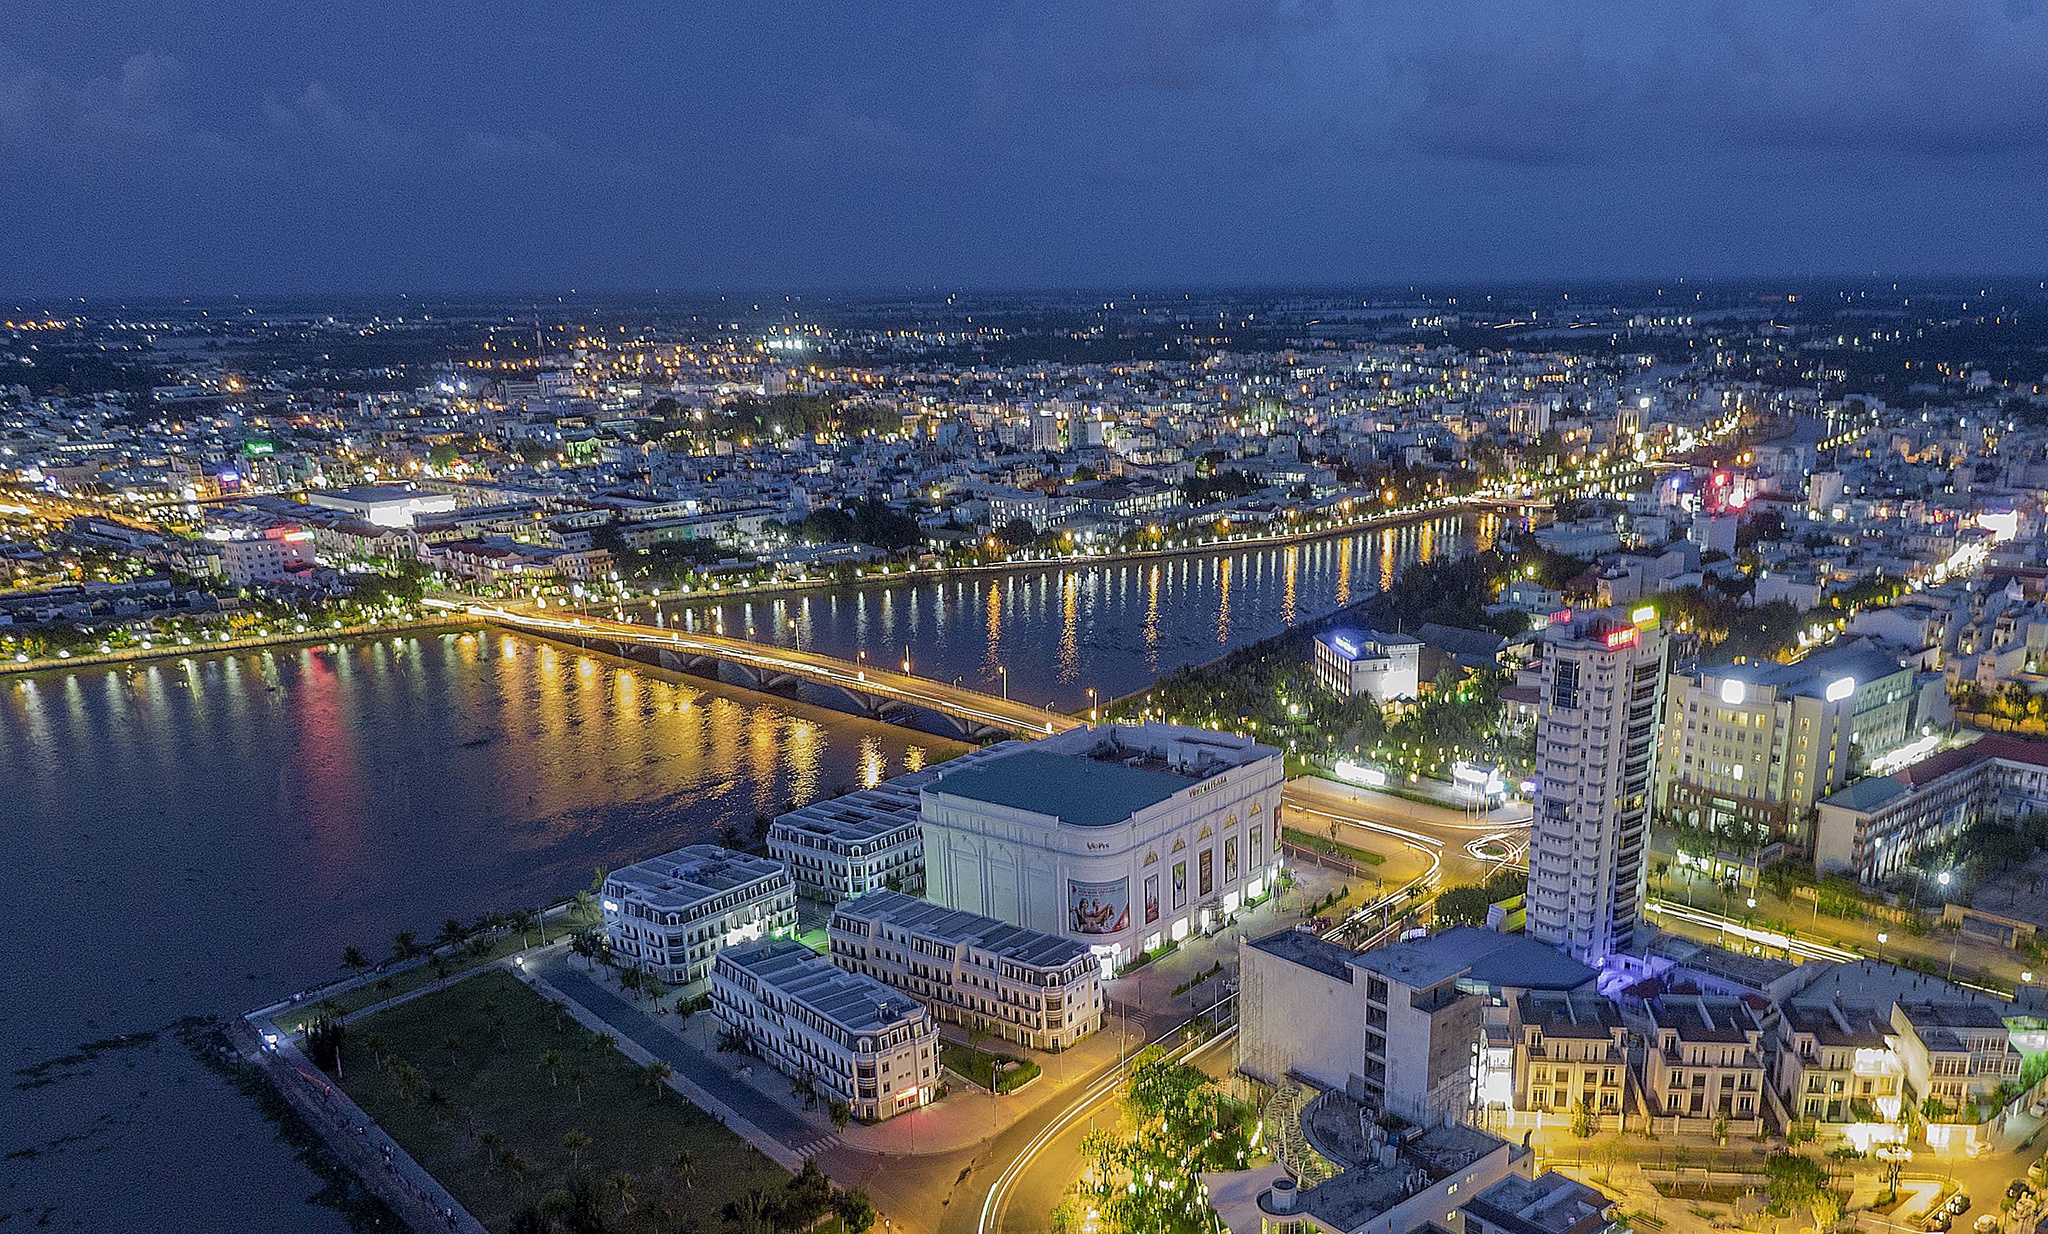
1230 860
1180 884
1098 908
1208 867
1151 898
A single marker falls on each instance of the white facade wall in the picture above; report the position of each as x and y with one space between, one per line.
1017 865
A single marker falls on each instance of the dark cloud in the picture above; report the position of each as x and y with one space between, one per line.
371 145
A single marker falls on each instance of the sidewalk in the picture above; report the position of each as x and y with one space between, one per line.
965 1118
384 1169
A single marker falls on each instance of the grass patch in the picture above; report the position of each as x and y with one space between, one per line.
1329 847
456 960
981 1067
469 1095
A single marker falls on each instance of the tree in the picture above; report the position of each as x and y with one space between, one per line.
753 1213
856 1212
353 959
1721 1128
579 1079
621 1184
405 945
684 1167
1584 1121
323 1043
1826 1207
552 1061
657 1074
842 1114
451 932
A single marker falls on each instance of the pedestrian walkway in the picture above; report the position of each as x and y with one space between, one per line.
385 1169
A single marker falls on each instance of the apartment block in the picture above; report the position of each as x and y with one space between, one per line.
1601 686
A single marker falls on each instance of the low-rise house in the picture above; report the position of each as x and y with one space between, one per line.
1571 1053
1835 1062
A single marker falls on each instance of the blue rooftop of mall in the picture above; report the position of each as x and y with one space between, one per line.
1082 792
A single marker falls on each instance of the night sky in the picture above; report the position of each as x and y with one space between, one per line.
173 147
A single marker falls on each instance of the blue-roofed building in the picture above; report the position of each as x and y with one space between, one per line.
1118 836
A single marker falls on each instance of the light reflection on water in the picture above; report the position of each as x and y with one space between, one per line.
1116 626
202 835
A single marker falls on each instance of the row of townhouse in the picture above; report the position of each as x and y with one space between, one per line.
855 1040
1036 989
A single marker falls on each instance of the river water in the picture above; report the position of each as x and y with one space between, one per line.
203 835
1049 635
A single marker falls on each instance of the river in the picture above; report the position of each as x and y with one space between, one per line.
200 835
1050 634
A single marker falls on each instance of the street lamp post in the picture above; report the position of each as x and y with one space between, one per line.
1091 703
1882 939
1004 673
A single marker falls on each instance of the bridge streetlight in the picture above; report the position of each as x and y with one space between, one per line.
1091 703
1004 673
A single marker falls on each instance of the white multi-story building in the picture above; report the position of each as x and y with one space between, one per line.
852 1037
1349 663
1121 836
1397 1028
1596 739
1027 986
846 846
672 914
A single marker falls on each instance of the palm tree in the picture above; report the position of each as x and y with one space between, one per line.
522 921
586 905
353 959
405 945
438 1105
579 1080
659 1073
605 1041
451 932
552 1062
514 1165
452 1043
576 1141
684 1166
621 1183
753 1212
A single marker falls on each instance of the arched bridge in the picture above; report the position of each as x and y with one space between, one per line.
870 691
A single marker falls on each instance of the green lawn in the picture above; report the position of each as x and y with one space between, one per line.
1324 844
980 1066
483 1093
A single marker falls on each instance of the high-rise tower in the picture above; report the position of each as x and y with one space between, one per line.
1596 744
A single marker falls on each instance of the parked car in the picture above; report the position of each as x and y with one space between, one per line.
1958 1204
1938 1221
1985 1223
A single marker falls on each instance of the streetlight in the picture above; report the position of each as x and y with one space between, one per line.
1882 939
1004 673
1091 702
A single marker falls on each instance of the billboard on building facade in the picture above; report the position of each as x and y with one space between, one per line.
1098 908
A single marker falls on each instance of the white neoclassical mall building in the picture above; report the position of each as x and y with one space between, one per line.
1120 836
